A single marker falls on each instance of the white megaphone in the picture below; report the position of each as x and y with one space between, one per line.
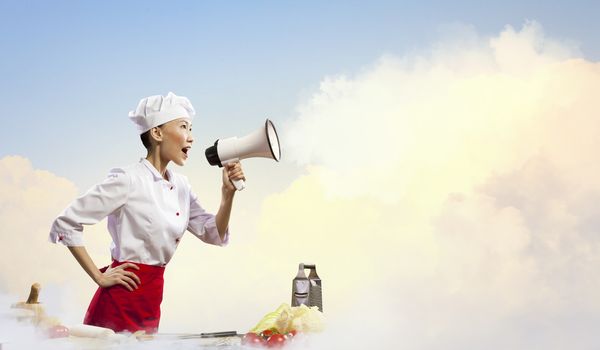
264 143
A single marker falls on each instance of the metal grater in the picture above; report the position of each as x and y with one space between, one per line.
307 290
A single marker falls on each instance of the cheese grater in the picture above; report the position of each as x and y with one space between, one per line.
307 290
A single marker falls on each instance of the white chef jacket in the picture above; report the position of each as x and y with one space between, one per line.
147 215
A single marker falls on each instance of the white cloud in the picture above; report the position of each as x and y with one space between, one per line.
467 178
30 199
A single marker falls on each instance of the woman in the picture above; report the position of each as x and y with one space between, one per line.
149 208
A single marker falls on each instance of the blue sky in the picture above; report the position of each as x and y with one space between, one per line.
71 70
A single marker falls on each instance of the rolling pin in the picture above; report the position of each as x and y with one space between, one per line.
32 304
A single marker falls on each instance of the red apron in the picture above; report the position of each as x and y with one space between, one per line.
119 309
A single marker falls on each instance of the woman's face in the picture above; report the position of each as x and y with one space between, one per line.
177 140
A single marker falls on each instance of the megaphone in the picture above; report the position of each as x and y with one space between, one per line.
263 143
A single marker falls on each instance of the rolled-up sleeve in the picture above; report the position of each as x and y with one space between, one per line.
203 225
90 208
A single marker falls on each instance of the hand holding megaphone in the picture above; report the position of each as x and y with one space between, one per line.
231 171
263 143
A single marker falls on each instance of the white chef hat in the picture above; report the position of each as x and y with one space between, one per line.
156 110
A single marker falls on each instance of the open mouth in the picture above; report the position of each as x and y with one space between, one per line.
185 151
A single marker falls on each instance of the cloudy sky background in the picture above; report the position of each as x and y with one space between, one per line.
439 161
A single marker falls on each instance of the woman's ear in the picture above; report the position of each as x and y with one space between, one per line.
156 134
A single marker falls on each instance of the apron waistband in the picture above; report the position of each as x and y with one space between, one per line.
144 269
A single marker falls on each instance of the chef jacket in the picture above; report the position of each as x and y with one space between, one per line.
147 214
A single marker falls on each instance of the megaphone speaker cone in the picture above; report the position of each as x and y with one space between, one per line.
273 140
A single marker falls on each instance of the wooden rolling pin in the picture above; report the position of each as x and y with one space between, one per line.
33 311
32 302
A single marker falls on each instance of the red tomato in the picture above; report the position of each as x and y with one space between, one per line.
267 333
58 331
253 339
276 341
290 335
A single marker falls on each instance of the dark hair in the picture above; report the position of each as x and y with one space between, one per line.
145 137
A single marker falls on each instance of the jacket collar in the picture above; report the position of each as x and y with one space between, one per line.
154 171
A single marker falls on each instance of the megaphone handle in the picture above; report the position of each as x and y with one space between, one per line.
239 184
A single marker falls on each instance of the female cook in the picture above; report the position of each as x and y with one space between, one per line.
149 208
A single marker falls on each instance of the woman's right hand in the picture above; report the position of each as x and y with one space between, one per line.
118 275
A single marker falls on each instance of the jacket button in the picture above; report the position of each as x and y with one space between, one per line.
177 214
171 187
